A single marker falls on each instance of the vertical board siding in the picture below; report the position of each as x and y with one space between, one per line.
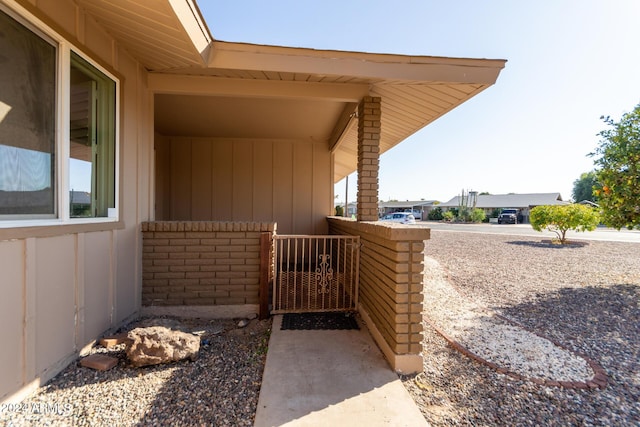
303 187
283 187
181 161
162 150
97 310
321 202
242 180
262 177
222 166
55 300
12 267
125 255
288 182
202 178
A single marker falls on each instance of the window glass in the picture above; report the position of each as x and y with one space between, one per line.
27 122
91 140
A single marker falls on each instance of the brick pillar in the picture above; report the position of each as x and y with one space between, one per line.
369 113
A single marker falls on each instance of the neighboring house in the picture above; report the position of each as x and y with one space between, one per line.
522 202
420 208
80 202
192 145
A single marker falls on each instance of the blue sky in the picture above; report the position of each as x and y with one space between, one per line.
569 63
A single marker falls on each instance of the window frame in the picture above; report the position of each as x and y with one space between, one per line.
64 47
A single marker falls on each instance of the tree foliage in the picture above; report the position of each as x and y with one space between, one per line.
435 214
583 187
617 186
561 218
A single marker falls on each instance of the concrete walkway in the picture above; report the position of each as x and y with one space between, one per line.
331 378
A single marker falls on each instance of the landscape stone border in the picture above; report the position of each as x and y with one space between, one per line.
599 380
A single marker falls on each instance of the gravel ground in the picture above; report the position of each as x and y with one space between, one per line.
585 297
220 388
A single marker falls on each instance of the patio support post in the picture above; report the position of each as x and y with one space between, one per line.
369 127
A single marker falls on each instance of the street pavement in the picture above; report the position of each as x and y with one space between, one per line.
601 233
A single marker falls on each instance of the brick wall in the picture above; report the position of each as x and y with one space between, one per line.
391 279
369 128
188 263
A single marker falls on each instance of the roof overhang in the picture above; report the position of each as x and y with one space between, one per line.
162 34
206 87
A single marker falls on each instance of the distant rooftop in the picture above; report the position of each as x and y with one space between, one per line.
487 201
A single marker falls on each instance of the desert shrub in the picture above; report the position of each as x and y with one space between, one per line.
477 215
435 214
448 216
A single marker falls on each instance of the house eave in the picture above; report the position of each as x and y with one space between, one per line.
171 40
162 35
374 67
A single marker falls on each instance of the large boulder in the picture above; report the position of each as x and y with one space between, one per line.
158 344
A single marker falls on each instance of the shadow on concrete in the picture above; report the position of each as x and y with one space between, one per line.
331 377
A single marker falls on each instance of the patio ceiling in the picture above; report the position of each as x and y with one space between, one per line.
205 87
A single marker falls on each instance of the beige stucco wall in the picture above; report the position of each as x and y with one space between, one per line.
218 179
63 286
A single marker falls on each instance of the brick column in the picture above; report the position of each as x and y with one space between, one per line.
391 285
369 113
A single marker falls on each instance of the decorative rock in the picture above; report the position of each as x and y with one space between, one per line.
243 323
158 344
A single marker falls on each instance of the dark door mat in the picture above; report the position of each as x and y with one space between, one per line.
318 321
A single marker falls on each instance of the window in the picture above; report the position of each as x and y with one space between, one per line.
57 159
91 140
27 122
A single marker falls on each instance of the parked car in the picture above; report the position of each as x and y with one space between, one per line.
508 216
417 214
401 217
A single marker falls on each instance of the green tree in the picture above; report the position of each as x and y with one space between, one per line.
561 218
583 187
618 177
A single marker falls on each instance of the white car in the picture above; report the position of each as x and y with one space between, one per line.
417 214
401 217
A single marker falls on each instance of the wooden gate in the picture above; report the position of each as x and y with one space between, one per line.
315 273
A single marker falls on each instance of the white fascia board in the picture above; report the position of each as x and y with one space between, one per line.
194 25
218 86
377 67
